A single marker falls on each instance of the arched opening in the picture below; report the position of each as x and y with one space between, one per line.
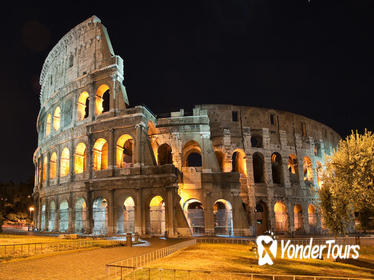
317 149
222 211
276 168
64 216
83 106
64 162
261 218
48 125
39 163
164 154
194 212
298 218
80 158
52 216
53 166
256 141
102 99
42 227
312 216
238 163
319 170
100 216
192 155
157 216
258 168
281 217
220 159
308 170
57 118
293 169
100 154
80 215
128 216
124 151
45 164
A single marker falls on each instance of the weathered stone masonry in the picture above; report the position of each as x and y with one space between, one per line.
103 167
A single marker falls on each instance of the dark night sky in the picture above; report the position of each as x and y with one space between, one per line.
313 58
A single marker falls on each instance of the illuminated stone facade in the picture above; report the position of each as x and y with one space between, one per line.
103 167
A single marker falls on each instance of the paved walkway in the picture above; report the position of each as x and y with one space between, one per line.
78 265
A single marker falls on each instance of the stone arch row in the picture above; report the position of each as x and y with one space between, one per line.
222 209
102 105
304 218
80 217
50 163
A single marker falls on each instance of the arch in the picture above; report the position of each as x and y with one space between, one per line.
48 125
262 218
39 163
220 159
312 216
276 168
53 166
194 212
80 215
102 99
308 169
100 154
256 141
317 149
239 163
100 216
164 154
52 216
191 154
71 61
281 217
124 151
126 221
293 169
156 224
83 106
222 211
43 224
258 168
64 162
64 216
57 118
45 165
80 158
319 170
298 218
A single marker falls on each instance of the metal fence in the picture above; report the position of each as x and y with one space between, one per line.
30 249
146 273
120 268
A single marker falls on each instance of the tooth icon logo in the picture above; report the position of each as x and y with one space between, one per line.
264 250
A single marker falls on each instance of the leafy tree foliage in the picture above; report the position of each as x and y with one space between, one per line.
348 182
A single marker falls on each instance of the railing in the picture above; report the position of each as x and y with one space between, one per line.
29 249
243 241
117 269
146 273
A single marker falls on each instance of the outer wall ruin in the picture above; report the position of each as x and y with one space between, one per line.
103 167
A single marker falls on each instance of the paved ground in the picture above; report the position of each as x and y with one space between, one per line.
78 265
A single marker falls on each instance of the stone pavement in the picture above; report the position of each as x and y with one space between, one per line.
77 265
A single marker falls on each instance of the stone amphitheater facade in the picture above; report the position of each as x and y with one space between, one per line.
102 167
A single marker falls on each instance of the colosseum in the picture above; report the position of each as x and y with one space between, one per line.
105 168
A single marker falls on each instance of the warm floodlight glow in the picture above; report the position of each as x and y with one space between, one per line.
103 89
80 158
57 118
83 103
48 125
124 151
100 154
53 166
64 166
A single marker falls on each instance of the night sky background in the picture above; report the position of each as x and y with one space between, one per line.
312 58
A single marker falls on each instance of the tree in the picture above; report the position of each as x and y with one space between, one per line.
348 182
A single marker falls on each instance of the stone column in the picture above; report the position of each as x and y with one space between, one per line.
139 156
111 213
57 215
208 215
71 224
290 213
139 213
89 210
170 211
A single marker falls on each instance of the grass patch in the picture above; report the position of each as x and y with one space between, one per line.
238 258
6 239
